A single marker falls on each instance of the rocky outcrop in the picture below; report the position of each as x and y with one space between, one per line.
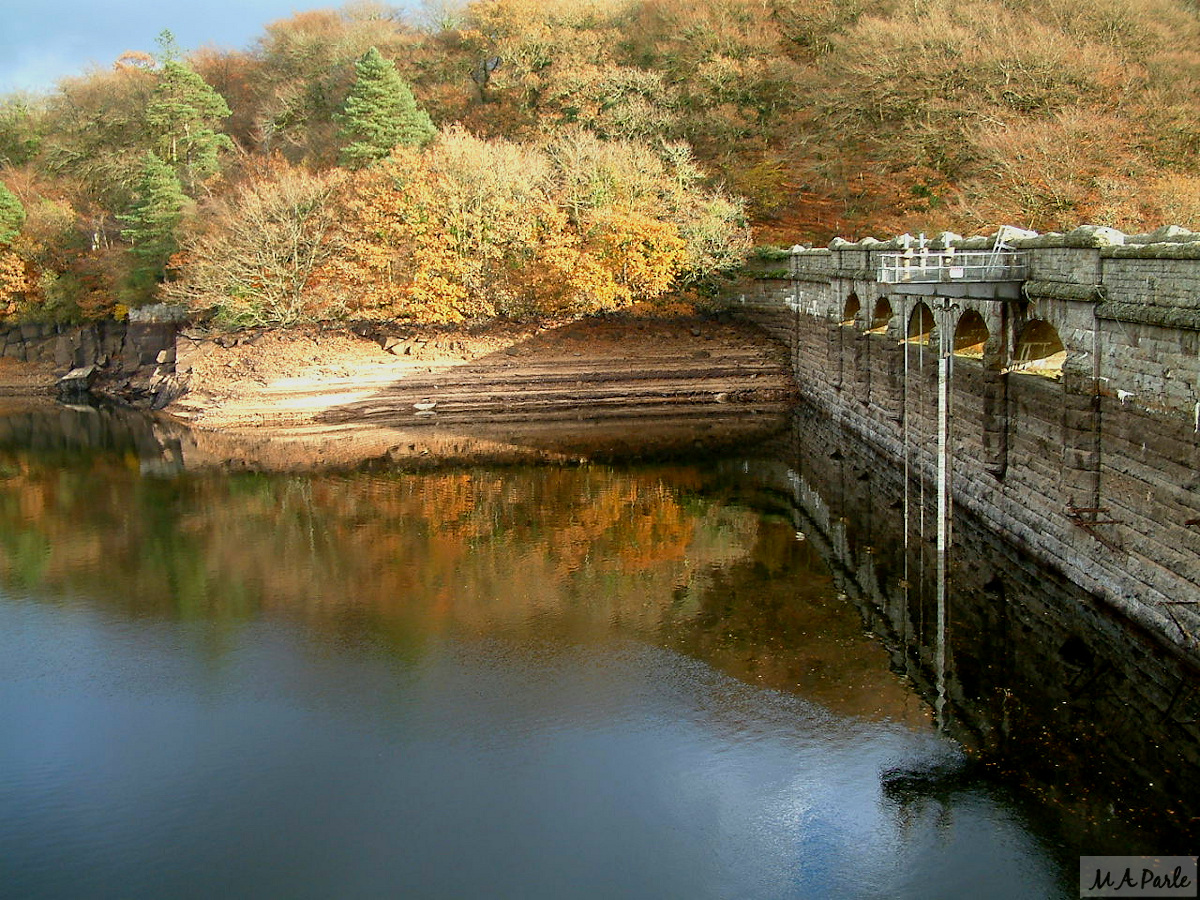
129 361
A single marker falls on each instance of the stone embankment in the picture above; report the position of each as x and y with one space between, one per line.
131 361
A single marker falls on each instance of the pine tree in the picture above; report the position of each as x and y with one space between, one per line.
153 222
168 47
380 112
12 215
184 112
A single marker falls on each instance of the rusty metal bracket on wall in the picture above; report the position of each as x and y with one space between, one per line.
1088 517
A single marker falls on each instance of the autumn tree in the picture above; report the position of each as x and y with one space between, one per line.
96 135
442 15
436 236
12 268
259 253
474 228
37 279
21 129
184 113
380 113
574 176
13 282
662 182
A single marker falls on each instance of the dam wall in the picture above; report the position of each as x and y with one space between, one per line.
1061 407
1024 668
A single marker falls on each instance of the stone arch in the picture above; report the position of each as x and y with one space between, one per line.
850 312
1039 350
881 316
920 324
970 335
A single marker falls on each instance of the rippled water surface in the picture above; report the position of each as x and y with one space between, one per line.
593 681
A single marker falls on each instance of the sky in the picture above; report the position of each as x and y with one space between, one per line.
42 41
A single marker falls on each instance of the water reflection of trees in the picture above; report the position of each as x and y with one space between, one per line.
330 541
663 554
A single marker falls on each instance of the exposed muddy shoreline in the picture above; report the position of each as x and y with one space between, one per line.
594 368
580 389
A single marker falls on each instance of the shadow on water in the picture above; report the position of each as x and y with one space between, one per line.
1052 693
50 431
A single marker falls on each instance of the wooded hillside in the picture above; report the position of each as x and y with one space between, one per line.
581 155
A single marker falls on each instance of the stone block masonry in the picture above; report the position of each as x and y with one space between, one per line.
1071 417
1023 667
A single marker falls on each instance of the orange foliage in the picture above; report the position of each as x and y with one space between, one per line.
828 116
640 255
473 228
14 281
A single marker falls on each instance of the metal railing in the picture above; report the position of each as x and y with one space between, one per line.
936 266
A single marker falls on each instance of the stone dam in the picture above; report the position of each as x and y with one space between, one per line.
1048 384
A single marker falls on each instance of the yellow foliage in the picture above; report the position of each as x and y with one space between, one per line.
640 254
1178 199
474 228
14 281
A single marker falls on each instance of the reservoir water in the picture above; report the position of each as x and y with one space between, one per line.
609 678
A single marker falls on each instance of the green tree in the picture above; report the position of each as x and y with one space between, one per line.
168 48
21 128
380 113
12 215
153 223
184 113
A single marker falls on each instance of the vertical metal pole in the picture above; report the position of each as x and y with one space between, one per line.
905 419
905 620
945 341
1097 433
922 471
923 476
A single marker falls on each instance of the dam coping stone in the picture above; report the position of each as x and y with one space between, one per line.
1150 314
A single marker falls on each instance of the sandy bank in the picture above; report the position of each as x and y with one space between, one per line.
587 388
317 377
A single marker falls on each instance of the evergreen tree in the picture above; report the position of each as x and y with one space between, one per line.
168 48
153 222
12 215
22 124
184 112
380 112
